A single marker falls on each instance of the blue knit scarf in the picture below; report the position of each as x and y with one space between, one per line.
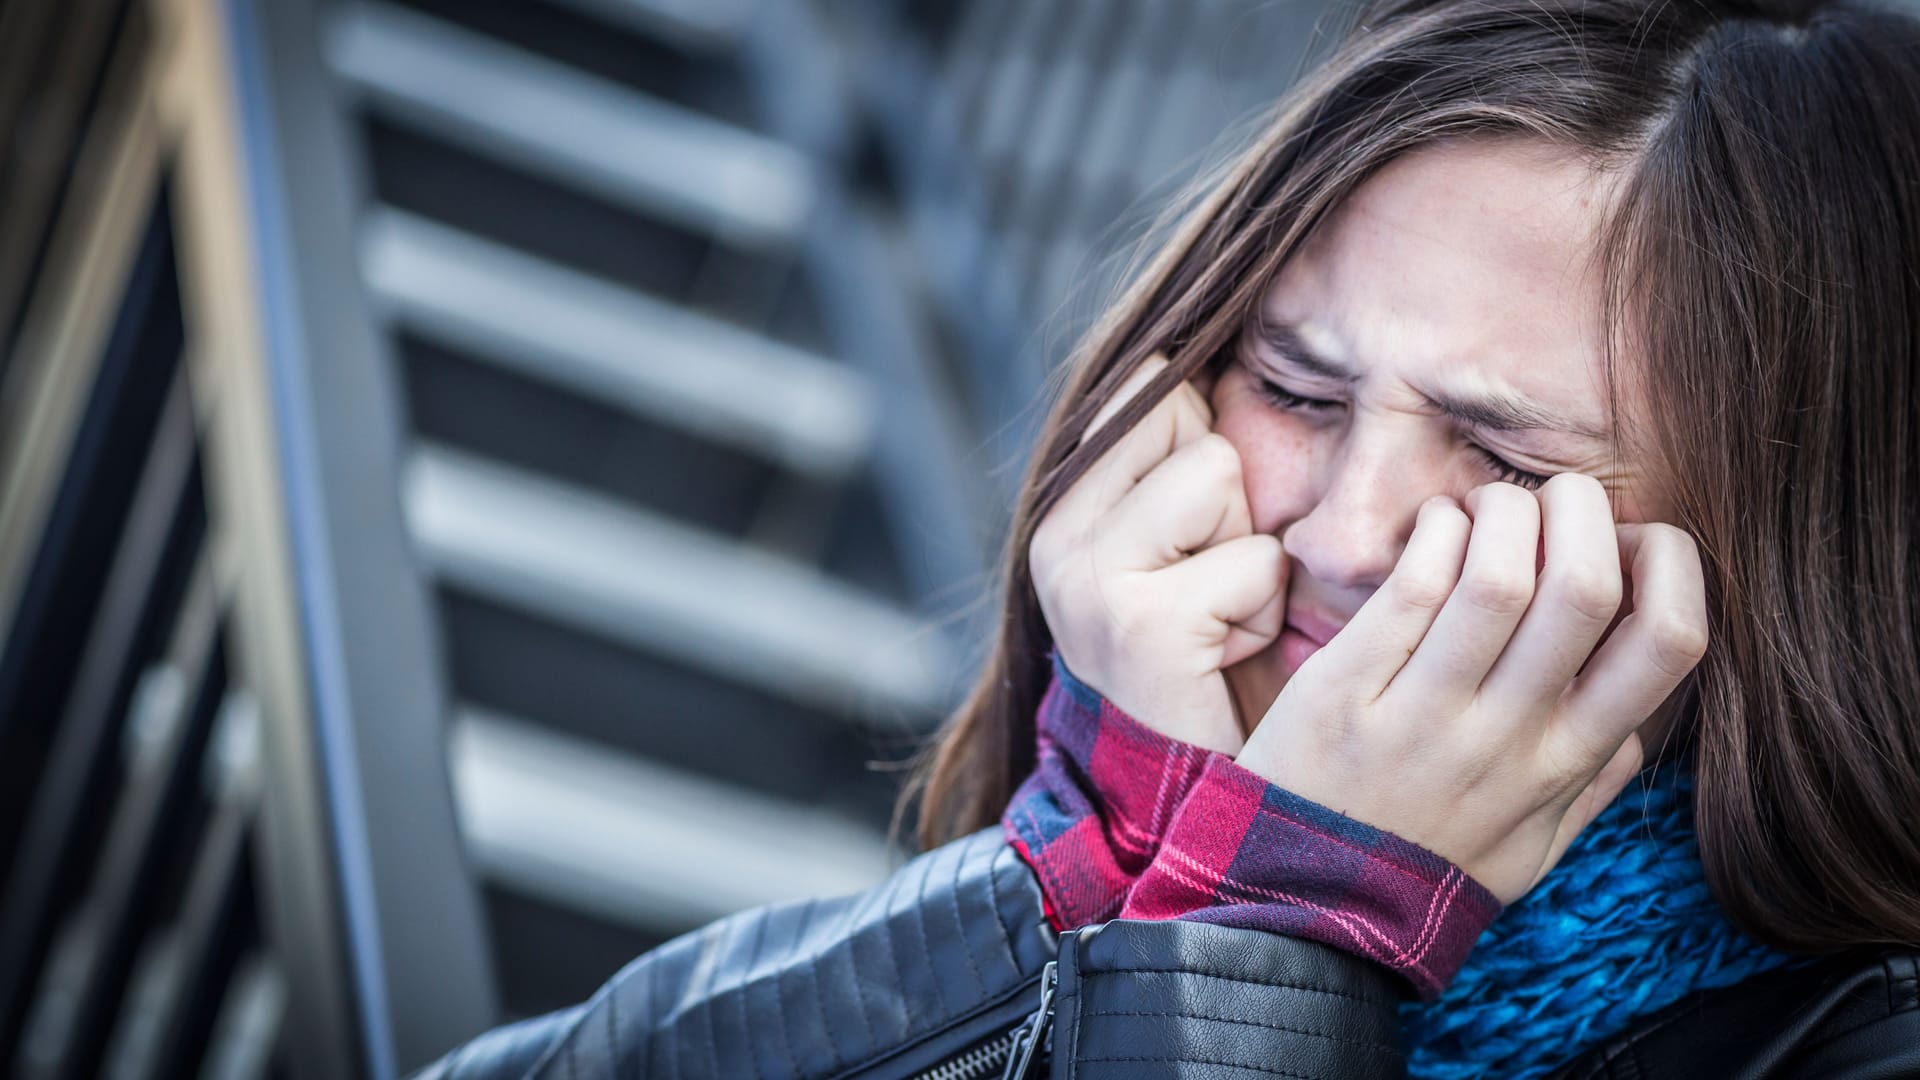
1622 927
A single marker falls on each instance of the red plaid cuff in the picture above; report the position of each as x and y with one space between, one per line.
1089 819
1243 852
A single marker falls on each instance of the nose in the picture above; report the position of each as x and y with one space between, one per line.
1353 534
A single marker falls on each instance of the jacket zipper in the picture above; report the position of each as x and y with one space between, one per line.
979 1061
1029 1038
1010 1054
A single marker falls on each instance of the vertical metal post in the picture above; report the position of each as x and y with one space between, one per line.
369 896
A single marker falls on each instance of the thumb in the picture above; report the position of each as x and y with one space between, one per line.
1594 798
1240 586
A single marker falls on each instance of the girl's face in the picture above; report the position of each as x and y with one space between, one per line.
1441 331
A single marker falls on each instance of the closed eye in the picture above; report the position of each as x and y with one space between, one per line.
1502 468
1287 399
1511 473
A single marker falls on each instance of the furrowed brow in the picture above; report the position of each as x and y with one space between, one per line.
1489 412
1285 341
1501 412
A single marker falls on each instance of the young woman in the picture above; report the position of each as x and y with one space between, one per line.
1461 618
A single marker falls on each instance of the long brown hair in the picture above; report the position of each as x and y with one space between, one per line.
1763 268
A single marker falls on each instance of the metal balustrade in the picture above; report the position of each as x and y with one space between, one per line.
454 481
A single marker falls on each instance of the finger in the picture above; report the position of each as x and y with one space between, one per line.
1192 500
1596 796
1177 419
1253 635
1495 587
1574 602
1372 648
1190 392
1648 654
1238 586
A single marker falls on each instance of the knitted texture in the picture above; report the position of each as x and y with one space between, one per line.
1621 927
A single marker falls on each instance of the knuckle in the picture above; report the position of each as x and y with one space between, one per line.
1219 455
1267 548
1422 588
1667 538
1258 554
1499 592
1444 509
1590 592
1572 483
1508 498
1676 643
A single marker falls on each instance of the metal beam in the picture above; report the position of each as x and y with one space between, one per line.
63 341
641 578
597 829
616 143
670 365
926 462
369 903
697 25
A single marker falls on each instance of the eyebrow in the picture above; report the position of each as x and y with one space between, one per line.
1492 412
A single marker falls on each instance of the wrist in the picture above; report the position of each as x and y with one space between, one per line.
1241 851
1139 774
1103 790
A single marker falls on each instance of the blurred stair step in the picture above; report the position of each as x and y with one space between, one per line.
665 363
594 829
623 146
650 582
702 25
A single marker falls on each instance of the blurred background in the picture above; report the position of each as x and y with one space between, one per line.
489 485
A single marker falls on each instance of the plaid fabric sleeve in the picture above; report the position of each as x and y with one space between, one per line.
1103 790
1243 852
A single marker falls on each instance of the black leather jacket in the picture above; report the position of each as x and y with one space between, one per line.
948 969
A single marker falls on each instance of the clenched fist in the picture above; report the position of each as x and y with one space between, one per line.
1150 575
1481 709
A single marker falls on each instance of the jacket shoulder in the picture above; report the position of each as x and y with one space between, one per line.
1855 1015
813 988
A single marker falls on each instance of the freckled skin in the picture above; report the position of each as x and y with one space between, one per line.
1463 266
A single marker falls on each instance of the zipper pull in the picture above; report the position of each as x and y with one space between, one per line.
1030 1036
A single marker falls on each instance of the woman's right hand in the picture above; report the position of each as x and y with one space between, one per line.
1150 575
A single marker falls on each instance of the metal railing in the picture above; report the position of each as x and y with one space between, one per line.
480 473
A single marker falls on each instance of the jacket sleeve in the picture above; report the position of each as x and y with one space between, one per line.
1191 999
945 956
944 952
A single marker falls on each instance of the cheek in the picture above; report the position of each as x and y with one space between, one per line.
1279 454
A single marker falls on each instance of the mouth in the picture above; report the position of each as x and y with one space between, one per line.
1313 627
1303 634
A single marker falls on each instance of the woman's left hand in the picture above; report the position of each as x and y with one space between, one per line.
1465 707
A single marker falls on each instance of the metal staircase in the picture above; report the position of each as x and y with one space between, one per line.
487 479
717 325
681 441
